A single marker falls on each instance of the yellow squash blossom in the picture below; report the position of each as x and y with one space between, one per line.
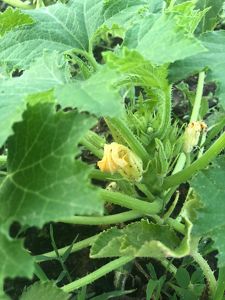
120 159
192 134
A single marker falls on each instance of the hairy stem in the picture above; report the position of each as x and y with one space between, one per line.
131 140
92 148
206 271
199 164
113 219
203 264
132 203
198 97
219 295
109 267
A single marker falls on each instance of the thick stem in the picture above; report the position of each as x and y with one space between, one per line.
19 4
92 148
131 140
203 264
198 97
206 271
132 203
109 267
220 285
199 164
76 247
113 219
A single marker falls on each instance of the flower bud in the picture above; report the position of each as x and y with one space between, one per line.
192 134
119 158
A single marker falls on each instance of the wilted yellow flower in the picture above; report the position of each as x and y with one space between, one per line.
119 158
192 134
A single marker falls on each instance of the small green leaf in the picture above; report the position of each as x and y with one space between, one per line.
43 291
210 221
183 277
15 260
98 94
161 40
187 17
44 181
137 239
213 59
48 71
12 18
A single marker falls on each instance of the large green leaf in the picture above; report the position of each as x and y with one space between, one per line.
44 182
209 188
48 71
12 18
214 59
211 18
15 260
64 27
43 291
162 40
98 94
139 239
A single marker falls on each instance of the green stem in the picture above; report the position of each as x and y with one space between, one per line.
198 97
132 203
199 164
109 267
169 266
131 140
76 247
19 4
113 219
176 225
95 139
88 56
219 295
166 116
102 176
206 271
92 148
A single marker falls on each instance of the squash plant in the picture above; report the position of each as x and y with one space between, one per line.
54 88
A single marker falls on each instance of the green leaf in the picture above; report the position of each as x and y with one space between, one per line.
183 277
211 18
15 260
161 40
139 71
98 94
187 17
137 239
43 291
44 182
48 71
125 12
214 59
210 221
12 18
63 27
